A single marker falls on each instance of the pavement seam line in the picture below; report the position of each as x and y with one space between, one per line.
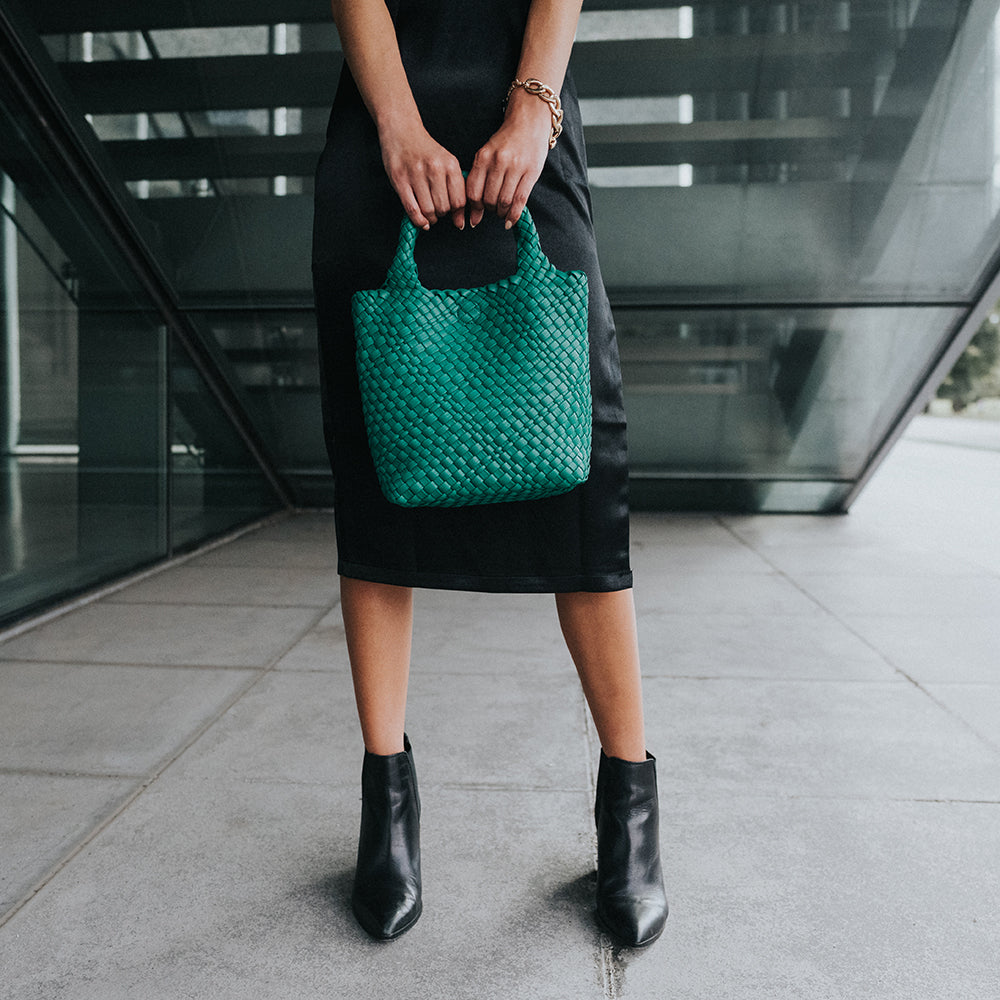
611 972
153 776
43 772
145 783
858 635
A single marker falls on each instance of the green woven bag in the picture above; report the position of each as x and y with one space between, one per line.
476 395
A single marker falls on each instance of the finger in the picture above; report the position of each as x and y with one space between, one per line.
440 196
425 202
474 182
456 196
412 209
492 187
474 192
518 202
408 198
505 200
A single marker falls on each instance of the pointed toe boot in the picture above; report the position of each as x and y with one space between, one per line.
387 894
631 902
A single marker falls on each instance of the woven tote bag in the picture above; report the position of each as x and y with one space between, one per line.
476 395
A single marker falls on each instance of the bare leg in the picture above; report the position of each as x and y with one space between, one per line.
601 635
600 632
378 620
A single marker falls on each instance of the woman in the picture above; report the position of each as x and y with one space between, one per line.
421 99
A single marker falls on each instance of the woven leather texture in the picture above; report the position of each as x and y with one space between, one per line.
476 395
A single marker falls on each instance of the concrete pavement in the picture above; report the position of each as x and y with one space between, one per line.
180 763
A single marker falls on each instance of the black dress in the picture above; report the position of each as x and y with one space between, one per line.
460 56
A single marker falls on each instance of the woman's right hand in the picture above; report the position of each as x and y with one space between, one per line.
427 178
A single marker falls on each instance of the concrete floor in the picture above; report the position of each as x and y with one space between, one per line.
180 762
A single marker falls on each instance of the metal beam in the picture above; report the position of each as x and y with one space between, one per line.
305 79
51 17
655 67
216 157
801 140
714 64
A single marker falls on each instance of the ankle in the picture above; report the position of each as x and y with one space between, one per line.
385 746
630 752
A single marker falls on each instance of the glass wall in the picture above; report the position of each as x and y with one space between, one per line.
777 408
113 453
796 206
214 130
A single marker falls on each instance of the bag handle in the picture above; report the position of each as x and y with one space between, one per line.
403 269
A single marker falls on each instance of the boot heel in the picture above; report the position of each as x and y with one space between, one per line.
386 899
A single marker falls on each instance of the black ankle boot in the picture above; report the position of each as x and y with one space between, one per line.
386 898
631 903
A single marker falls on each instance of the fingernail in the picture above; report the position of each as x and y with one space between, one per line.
508 224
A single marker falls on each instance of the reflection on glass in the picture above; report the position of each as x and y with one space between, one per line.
272 353
86 408
839 152
80 411
833 152
215 482
794 201
769 393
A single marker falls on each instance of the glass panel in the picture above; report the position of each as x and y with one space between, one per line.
849 158
82 397
216 484
84 392
272 354
769 393
229 124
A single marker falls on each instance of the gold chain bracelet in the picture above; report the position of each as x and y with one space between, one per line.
547 94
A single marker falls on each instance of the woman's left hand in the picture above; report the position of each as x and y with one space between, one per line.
508 165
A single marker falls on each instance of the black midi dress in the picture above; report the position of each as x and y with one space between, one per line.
460 57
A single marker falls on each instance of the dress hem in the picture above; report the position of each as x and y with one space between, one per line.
594 583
